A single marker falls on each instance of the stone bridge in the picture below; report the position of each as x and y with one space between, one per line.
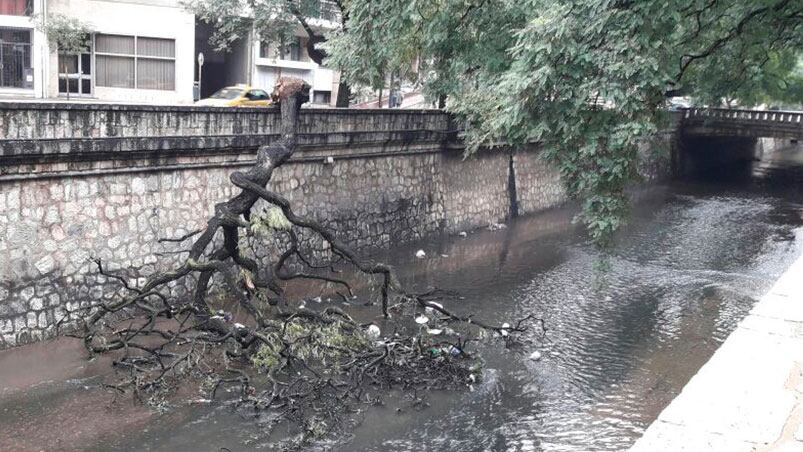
743 123
715 138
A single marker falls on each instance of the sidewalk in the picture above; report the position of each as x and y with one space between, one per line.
749 395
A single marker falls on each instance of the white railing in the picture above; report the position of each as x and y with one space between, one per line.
758 116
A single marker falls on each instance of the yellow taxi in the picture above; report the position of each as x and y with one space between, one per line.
237 96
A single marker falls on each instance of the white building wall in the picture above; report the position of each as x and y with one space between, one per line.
265 77
149 18
39 53
323 79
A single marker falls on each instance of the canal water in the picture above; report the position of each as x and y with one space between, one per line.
621 343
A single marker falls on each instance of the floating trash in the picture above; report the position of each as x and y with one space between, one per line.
420 254
373 332
422 319
535 356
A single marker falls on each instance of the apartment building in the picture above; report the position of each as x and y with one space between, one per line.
273 60
141 51
259 63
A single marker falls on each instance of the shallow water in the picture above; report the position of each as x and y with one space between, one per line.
621 344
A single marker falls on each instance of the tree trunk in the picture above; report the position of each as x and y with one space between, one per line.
343 94
442 101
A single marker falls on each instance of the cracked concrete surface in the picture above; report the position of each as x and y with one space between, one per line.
749 395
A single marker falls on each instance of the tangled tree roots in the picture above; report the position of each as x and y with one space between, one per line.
314 364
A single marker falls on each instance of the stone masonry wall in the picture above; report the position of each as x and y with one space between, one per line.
130 175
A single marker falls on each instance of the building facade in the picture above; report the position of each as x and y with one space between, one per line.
259 63
291 59
141 51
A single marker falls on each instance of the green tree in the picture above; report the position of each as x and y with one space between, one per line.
67 35
540 70
273 21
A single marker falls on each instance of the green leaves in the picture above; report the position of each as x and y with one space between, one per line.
271 20
64 33
586 77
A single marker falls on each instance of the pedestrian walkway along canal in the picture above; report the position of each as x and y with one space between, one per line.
621 343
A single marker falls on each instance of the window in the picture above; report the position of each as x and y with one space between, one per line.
16 7
15 58
284 51
322 97
135 62
257 94
75 73
292 50
226 93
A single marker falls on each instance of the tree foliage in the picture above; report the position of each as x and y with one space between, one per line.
66 34
271 20
588 78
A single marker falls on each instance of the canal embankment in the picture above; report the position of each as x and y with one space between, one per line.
81 181
749 395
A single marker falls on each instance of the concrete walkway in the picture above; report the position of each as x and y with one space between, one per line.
749 395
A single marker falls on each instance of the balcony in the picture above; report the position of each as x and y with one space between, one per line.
289 55
287 64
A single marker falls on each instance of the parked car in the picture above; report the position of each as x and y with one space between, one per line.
237 96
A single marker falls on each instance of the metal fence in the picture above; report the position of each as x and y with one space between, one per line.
15 65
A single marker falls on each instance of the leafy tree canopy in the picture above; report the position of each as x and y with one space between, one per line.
542 70
271 20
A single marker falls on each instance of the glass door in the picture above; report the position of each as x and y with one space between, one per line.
75 74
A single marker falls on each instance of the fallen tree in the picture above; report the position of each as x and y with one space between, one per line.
311 364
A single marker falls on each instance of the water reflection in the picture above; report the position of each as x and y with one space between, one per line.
687 269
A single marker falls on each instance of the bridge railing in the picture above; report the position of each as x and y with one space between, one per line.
766 116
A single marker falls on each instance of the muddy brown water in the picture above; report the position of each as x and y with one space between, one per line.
621 344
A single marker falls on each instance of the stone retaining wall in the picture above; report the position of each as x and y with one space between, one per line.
81 181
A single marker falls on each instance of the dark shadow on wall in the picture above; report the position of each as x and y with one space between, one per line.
698 156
